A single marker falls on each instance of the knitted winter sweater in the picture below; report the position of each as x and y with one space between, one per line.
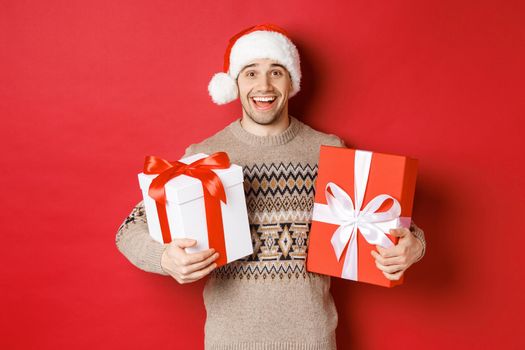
266 300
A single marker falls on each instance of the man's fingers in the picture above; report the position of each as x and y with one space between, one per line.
188 269
396 260
389 268
178 254
393 276
193 258
203 272
197 275
390 252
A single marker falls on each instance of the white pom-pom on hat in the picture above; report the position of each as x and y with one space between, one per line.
223 88
257 42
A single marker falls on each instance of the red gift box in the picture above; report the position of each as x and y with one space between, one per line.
359 196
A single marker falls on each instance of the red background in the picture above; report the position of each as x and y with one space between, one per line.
87 89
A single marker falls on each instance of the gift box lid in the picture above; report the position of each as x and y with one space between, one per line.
185 188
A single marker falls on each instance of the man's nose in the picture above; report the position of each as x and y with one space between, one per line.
265 83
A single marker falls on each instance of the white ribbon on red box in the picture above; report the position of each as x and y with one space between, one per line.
340 210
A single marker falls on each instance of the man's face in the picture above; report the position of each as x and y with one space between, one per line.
264 86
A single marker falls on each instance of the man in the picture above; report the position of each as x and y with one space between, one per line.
266 300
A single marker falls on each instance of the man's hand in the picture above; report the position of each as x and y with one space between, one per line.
395 260
184 267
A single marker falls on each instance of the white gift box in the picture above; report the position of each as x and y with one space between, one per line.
186 212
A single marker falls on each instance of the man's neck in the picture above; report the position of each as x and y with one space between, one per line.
276 128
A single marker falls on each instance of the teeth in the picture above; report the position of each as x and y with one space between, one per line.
264 99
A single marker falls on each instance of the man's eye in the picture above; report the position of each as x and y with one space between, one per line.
250 74
277 73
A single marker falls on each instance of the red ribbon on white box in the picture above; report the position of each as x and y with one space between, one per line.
340 210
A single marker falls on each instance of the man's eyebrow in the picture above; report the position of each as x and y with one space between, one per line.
250 66
278 65
256 64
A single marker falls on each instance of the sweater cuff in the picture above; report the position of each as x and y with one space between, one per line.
153 257
420 235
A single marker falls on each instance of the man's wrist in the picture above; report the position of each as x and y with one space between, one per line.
421 247
162 259
419 235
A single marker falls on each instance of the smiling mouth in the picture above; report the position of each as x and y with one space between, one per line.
263 102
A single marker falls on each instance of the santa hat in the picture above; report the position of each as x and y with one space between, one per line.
260 41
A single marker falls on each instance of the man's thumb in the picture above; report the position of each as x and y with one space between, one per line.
399 232
185 242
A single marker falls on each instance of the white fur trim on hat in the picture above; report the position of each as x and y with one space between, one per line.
223 88
259 44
